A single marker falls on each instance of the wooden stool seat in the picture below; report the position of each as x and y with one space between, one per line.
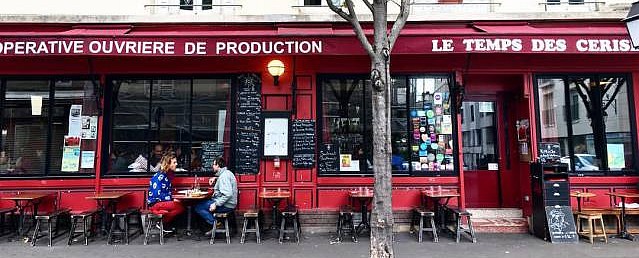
290 216
346 223
254 216
460 216
591 219
154 226
85 220
52 222
223 219
423 215
124 218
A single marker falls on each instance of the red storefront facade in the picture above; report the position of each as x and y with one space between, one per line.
499 62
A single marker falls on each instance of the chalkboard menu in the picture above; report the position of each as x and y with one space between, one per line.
303 141
561 224
248 124
329 158
210 152
549 152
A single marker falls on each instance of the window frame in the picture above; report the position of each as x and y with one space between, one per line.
52 79
453 110
108 121
634 170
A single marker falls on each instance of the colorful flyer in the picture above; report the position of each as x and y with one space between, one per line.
89 127
438 98
616 159
70 159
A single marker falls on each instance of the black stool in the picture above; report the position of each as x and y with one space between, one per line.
153 226
52 225
3 217
345 223
290 216
85 220
459 217
249 215
223 219
120 225
424 216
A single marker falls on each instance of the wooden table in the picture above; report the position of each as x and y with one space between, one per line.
624 231
274 197
23 200
579 195
107 201
437 196
364 197
188 201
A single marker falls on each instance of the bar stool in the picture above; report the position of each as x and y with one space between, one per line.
153 226
290 216
591 219
345 223
85 220
223 219
120 225
423 215
254 216
3 217
51 221
459 217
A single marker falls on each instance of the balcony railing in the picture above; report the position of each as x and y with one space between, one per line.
193 8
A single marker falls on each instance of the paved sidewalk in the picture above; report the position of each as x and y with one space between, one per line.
319 245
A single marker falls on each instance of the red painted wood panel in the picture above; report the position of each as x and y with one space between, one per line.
273 174
77 201
482 189
247 198
247 178
303 175
276 102
404 199
305 106
303 198
332 199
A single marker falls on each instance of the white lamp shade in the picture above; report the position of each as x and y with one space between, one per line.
275 67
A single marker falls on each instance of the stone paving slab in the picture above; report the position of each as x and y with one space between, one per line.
320 245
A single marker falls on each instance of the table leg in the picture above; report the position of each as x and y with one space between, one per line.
624 229
189 212
275 211
21 218
579 204
364 223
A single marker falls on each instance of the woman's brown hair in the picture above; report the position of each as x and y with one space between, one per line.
166 161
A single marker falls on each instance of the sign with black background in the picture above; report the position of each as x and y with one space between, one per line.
329 158
549 152
210 152
303 143
561 224
248 124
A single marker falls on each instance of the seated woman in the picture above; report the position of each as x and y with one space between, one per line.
160 200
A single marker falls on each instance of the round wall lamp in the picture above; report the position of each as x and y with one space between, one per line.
275 68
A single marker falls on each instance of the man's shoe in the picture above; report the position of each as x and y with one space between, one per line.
208 233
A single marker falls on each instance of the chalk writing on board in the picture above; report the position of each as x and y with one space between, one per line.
561 225
210 152
303 143
248 124
329 158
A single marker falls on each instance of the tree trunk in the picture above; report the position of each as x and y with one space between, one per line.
382 215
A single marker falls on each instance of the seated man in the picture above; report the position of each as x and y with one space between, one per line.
224 194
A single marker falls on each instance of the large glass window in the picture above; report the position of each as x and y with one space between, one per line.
479 137
593 126
421 124
43 137
153 117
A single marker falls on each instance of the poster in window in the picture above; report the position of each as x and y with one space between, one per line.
89 127
88 159
275 136
447 124
75 120
616 159
70 159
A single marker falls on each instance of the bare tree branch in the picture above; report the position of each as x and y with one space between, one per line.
583 96
352 18
404 11
614 94
368 4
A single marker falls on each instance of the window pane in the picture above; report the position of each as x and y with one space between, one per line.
479 138
583 139
431 125
130 134
616 113
399 122
345 111
170 118
67 121
551 101
211 118
24 127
